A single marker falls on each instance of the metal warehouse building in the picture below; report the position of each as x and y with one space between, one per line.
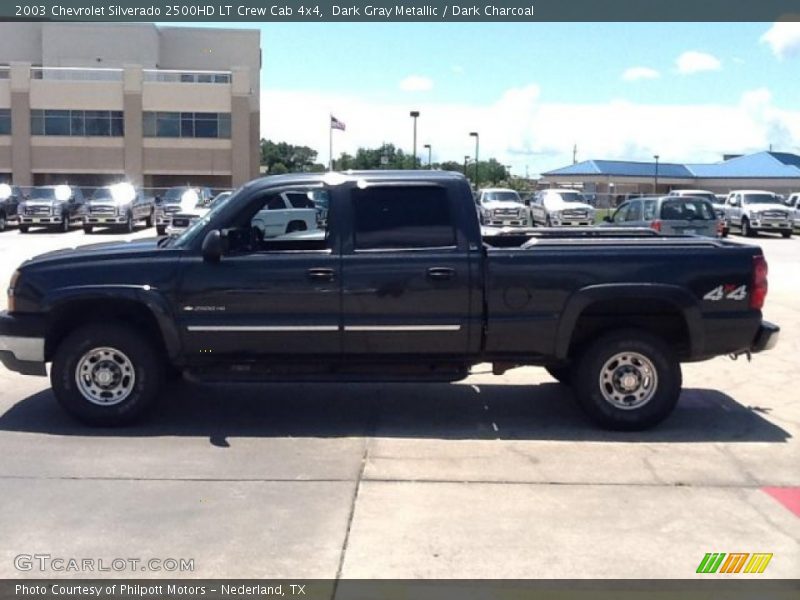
774 171
90 104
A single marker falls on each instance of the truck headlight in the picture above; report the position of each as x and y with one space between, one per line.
556 214
11 286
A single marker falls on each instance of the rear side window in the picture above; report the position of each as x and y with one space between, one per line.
402 218
687 210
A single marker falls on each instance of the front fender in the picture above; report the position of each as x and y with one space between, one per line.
679 297
147 296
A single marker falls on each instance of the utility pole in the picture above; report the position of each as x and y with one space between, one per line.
414 114
575 154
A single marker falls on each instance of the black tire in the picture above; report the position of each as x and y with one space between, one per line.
148 374
129 224
747 231
595 364
547 222
3 221
725 232
23 229
161 230
148 223
88 229
64 224
786 234
561 373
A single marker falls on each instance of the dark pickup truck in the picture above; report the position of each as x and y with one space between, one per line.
400 286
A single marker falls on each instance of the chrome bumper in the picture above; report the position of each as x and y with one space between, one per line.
22 354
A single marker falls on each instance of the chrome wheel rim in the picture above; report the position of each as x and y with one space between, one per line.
628 380
105 376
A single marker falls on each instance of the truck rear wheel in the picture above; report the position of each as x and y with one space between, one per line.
627 380
106 375
161 230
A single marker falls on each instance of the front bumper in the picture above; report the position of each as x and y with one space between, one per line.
766 337
105 220
54 220
572 222
22 343
765 225
510 222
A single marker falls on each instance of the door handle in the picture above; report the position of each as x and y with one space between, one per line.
320 274
441 273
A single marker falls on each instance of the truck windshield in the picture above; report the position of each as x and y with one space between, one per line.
102 194
43 193
572 197
502 197
759 199
190 232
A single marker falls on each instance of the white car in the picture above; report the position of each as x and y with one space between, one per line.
793 204
757 210
287 212
501 207
561 207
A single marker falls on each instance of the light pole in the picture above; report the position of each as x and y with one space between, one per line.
655 181
414 114
477 146
428 146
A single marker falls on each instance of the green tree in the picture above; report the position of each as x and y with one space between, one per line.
293 158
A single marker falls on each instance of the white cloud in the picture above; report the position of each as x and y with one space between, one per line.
637 73
523 130
784 39
416 83
696 62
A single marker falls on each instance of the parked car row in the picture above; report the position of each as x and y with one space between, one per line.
501 207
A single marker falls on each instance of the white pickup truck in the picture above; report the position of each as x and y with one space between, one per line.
752 211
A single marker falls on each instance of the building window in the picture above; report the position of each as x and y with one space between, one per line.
5 121
186 125
99 123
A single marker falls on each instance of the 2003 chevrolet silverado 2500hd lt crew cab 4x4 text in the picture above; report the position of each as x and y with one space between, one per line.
400 285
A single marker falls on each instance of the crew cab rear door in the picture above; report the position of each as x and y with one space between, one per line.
406 271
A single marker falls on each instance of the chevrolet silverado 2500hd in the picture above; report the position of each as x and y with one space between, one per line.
399 285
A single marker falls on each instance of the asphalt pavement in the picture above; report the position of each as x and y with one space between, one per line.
489 477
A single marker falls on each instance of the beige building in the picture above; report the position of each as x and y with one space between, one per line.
91 104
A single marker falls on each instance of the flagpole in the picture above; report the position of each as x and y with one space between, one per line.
330 145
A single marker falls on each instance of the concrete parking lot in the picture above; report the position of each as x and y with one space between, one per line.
491 477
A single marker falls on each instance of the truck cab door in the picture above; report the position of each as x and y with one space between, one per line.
407 273
268 297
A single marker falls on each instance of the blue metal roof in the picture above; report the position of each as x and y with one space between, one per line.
759 165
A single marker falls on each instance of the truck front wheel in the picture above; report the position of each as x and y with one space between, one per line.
106 375
627 380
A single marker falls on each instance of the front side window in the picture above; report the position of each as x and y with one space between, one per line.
634 211
621 213
400 217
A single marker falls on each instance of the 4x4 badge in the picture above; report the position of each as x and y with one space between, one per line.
727 292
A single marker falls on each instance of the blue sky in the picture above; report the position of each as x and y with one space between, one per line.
692 90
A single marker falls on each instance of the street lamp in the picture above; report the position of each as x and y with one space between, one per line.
655 182
414 114
477 145
428 146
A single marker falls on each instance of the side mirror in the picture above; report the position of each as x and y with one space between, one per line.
212 246
608 219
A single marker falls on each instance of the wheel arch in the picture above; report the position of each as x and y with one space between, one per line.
142 308
665 310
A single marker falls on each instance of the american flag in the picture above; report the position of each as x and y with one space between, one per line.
336 123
